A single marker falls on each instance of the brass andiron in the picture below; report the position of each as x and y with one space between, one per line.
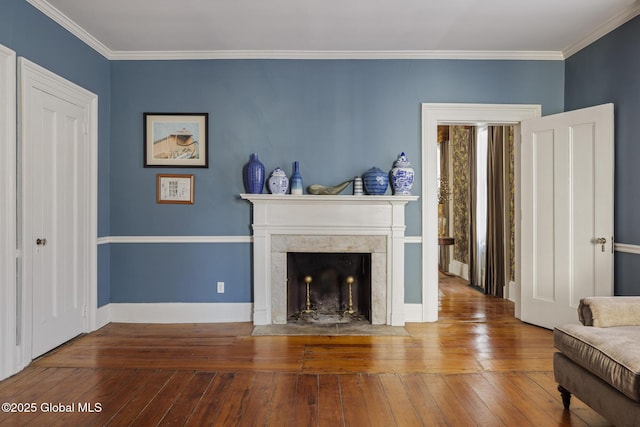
350 281
307 280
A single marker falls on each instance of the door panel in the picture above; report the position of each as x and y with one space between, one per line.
58 149
567 203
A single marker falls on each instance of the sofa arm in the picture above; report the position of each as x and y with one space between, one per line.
604 312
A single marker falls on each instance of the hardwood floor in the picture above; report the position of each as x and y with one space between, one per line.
476 366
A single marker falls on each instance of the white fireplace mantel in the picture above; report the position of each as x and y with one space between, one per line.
315 223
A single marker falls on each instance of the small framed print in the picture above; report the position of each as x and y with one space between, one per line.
176 140
175 189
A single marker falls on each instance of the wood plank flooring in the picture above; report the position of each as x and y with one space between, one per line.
476 366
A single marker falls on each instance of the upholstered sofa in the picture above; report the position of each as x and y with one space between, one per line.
599 360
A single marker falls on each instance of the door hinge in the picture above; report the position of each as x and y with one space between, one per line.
612 245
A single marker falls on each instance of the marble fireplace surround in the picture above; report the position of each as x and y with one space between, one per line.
312 223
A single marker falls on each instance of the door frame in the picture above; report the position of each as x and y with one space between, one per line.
8 277
432 115
34 77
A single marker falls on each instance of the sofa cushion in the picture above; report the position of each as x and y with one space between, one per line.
613 354
605 312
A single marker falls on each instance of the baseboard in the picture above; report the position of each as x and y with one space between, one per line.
413 313
512 291
196 313
180 312
103 316
459 269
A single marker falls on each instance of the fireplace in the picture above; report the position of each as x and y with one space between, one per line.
372 225
328 287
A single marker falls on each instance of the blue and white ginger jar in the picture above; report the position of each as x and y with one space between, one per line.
278 182
375 181
402 176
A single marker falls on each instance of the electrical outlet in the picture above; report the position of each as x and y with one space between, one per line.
221 287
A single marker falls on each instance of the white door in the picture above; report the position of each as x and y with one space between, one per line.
55 153
567 213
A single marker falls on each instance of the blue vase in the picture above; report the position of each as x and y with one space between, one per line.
254 175
296 180
375 181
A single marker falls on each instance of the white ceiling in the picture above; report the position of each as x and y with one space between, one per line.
339 28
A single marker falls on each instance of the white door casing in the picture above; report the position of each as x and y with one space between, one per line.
58 181
8 279
432 115
567 203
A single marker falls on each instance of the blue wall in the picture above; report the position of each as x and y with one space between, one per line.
34 36
338 118
609 71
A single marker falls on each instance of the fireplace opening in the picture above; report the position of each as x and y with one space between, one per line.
339 287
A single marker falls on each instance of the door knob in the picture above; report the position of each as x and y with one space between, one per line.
41 242
600 241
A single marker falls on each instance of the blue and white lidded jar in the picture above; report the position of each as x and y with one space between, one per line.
278 182
375 181
402 176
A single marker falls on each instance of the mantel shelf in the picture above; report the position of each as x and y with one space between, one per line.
312 198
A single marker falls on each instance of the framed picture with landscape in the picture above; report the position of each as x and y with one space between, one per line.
176 140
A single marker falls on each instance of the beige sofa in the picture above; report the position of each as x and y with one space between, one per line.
599 361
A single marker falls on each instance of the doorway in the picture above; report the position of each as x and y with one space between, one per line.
58 222
432 115
476 204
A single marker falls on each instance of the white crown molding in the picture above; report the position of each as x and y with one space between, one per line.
336 55
75 29
604 29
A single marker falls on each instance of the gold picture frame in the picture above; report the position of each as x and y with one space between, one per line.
175 188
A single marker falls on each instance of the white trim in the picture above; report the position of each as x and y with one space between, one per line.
180 312
103 316
196 313
32 76
459 269
69 25
512 290
8 279
604 29
174 239
339 54
432 114
413 313
200 239
413 240
626 248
